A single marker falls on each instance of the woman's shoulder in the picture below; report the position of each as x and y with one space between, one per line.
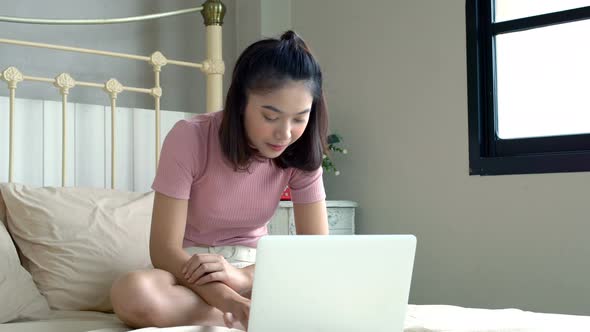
192 134
198 125
202 120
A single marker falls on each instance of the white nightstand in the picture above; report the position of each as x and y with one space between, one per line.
340 218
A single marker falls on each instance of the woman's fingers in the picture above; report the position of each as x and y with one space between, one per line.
200 258
204 269
215 276
196 260
228 319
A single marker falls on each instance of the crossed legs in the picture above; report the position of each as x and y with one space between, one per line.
153 298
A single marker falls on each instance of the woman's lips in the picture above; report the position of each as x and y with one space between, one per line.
276 147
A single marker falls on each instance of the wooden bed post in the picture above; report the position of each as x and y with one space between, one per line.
214 67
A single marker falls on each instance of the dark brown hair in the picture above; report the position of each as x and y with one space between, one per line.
265 66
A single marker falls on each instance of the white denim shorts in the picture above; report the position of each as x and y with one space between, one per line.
238 256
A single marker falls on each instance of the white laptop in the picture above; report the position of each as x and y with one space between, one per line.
336 283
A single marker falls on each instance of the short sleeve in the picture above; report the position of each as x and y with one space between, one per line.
307 187
179 160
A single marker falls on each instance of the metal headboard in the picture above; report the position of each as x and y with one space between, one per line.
213 12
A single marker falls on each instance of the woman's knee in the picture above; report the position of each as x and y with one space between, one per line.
135 299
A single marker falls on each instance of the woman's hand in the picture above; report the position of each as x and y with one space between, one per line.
202 269
238 313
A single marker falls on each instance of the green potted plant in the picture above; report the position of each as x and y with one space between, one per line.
334 142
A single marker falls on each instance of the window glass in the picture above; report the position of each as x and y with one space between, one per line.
543 81
512 9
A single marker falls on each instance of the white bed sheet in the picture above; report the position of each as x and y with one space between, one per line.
419 318
439 318
90 321
446 318
68 321
187 329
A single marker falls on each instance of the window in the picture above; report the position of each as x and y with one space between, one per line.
528 67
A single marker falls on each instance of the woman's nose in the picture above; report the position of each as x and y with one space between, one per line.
283 132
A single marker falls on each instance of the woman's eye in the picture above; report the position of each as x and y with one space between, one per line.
269 118
300 120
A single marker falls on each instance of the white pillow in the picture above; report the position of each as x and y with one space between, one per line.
20 298
76 241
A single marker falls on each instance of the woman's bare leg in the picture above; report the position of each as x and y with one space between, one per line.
153 298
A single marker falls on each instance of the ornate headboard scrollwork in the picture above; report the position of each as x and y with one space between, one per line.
213 12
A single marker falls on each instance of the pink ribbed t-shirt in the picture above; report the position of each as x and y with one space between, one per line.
225 207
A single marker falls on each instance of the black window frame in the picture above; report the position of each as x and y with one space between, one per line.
489 154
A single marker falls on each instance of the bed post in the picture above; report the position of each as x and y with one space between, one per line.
214 67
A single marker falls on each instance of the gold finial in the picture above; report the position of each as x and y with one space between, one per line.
213 12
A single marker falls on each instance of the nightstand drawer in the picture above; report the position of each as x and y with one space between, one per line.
340 218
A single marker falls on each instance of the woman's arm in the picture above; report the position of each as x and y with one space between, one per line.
166 237
311 219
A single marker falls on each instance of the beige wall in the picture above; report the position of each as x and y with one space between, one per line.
396 87
256 19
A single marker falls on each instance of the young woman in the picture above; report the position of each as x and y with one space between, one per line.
218 183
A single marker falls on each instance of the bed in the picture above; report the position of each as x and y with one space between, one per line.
52 276
82 162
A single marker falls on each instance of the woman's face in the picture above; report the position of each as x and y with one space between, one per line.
275 120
